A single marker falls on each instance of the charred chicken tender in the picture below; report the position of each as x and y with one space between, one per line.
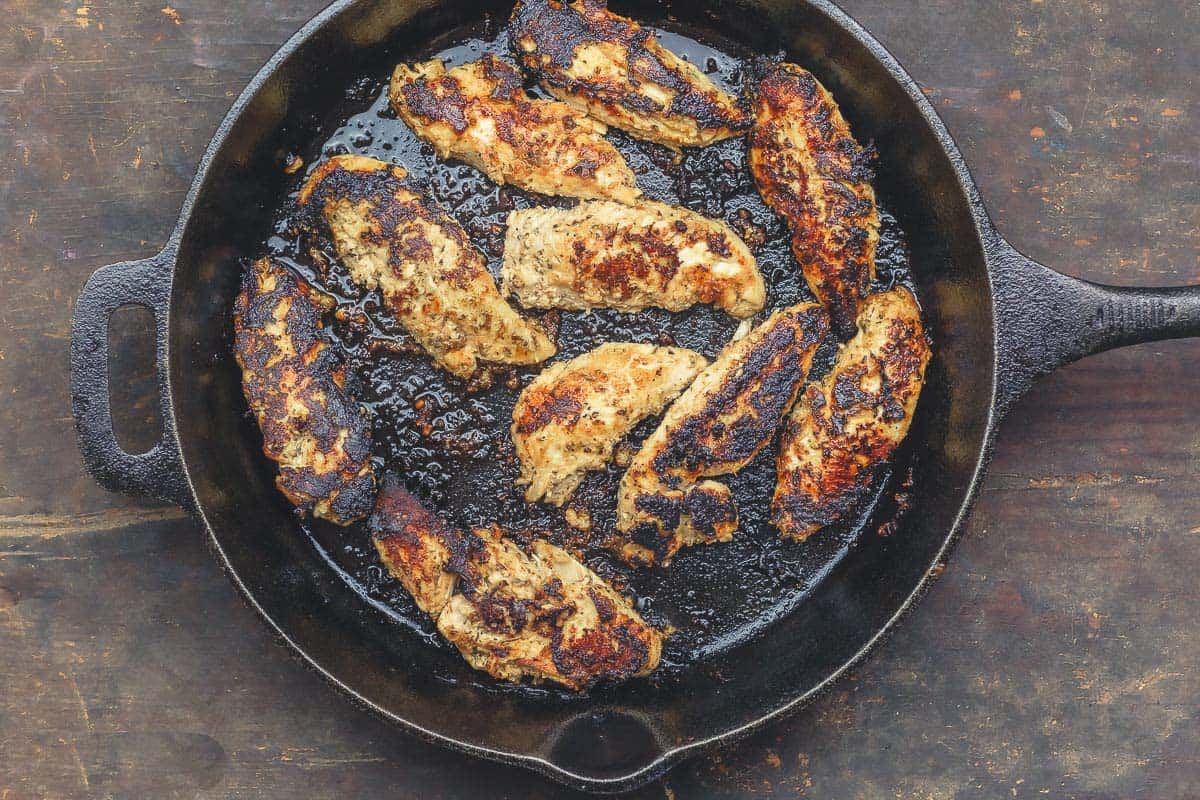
617 71
601 254
541 614
393 237
844 427
716 427
479 113
415 546
810 170
295 384
570 419
546 616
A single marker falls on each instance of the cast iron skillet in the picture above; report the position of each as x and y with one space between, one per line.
999 321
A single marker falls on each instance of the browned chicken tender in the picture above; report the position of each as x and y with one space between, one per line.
716 427
570 419
512 614
393 237
415 546
847 425
295 384
617 71
809 168
602 254
479 113
546 616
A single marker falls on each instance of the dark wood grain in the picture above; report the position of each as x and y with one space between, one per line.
1057 657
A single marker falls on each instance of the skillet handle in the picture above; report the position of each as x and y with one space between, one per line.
1045 319
158 472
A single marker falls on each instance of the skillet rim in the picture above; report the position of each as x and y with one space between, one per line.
990 243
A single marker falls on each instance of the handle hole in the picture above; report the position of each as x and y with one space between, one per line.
132 383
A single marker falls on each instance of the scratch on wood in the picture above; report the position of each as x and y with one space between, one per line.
49 526
1075 481
83 775
69 677
303 757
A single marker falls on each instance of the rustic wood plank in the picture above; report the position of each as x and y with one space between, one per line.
1056 657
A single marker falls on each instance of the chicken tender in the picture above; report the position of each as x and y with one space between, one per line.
570 419
416 546
295 384
479 113
512 614
617 71
809 168
394 238
847 425
602 254
716 427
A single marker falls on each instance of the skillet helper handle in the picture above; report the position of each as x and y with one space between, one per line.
158 472
1046 319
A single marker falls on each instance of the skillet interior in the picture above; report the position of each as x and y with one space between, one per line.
391 666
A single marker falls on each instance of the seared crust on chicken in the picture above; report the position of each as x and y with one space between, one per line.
295 383
844 427
602 254
393 237
416 546
480 113
617 71
571 417
809 168
546 616
728 414
511 614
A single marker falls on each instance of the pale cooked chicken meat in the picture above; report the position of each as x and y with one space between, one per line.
510 613
570 419
479 113
845 427
619 73
392 236
602 254
809 168
716 427
295 384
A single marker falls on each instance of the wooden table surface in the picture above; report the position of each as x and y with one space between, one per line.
1058 656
